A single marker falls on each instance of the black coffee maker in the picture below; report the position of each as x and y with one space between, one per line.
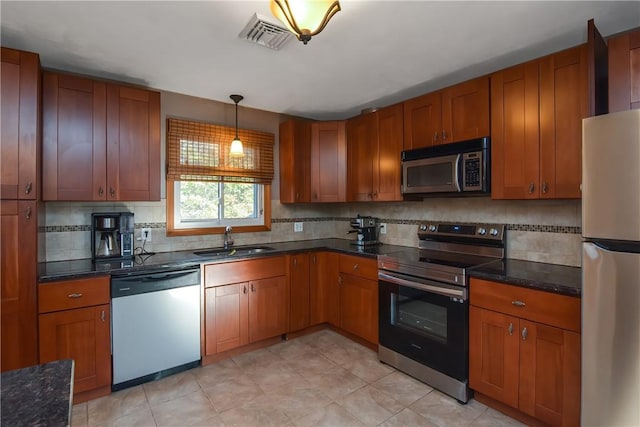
112 236
367 229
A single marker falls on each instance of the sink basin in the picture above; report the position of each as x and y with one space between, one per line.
240 250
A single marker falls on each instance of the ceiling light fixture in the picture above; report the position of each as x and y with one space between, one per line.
236 145
305 18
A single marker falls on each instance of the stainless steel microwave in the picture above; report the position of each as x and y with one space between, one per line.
460 168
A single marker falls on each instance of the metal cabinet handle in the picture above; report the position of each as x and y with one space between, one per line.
544 187
313 259
444 135
518 303
27 214
531 188
510 329
355 267
74 295
253 288
102 316
100 191
244 289
27 188
339 280
435 137
295 261
112 192
524 334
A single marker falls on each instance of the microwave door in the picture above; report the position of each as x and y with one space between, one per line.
432 175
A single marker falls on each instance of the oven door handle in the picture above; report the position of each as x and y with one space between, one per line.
436 289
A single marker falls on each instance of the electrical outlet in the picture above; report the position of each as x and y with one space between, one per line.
383 228
297 227
145 233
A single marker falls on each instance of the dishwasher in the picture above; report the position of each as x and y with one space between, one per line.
155 325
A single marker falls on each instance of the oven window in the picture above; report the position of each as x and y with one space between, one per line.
416 315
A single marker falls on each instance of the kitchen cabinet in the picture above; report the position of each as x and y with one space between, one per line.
101 140
328 161
244 302
358 283
453 114
536 127
624 71
295 161
20 150
324 289
300 297
74 323
18 266
524 350
374 145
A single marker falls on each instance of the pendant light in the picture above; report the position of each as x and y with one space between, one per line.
236 144
305 18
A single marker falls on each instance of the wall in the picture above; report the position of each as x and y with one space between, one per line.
545 231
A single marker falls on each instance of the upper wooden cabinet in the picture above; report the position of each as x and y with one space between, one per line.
454 114
295 161
20 130
101 141
624 71
374 144
536 114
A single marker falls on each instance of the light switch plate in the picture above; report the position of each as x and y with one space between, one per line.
383 228
297 227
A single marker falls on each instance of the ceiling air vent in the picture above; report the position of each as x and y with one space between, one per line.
265 33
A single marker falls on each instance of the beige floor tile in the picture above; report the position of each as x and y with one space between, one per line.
232 393
217 372
407 418
442 410
341 354
106 409
190 410
402 387
247 416
332 415
79 415
273 373
370 405
293 400
256 358
324 338
493 418
291 349
171 387
335 383
139 418
367 369
312 363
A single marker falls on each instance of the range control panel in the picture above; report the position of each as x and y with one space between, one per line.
484 231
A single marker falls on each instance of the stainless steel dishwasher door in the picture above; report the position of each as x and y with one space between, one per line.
155 325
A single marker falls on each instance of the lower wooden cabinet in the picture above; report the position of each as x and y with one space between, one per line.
300 299
358 282
74 323
324 290
517 360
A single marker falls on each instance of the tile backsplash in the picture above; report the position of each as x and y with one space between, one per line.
544 231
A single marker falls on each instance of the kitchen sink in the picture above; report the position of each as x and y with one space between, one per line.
240 250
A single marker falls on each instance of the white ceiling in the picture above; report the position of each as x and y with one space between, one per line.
371 54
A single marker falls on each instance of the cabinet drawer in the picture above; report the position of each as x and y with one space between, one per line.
242 271
68 294
545 307
359 266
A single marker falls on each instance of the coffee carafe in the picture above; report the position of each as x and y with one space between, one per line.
112 236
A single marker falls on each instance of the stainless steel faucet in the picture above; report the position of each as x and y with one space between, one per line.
228 240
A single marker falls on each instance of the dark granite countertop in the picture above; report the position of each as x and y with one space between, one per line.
59 270
38 395
556 278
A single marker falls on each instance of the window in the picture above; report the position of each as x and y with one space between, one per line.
207 189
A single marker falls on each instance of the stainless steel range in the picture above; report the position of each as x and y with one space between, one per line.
424 309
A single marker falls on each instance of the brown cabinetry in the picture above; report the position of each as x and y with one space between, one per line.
324 289
328 162
524 350
300 296
244 302
453 114
295 161
374 144
101 140
358 282
74 323
536 114
624 71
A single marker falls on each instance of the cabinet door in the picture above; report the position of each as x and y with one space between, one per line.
325 294
465 111
19 335
74 138
226 317
20 130
359 306
362 149
328 162
268 308
295 161
387 169
133 144
549 374
82 335
423 121
624 71
514 132
299 284
564 102
494 355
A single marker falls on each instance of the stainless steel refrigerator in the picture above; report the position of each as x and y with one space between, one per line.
611 270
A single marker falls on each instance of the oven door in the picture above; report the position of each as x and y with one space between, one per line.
431 175
425 321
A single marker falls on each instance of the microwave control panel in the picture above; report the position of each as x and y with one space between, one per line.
472 171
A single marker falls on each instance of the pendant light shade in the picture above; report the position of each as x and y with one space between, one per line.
305 18
236 145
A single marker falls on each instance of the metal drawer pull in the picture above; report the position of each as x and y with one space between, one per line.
112 192
100 191
27 188
28 213
244 289
74 295
510 328
544 187
253 288
524 334
102 316
531 188
355 267
518 303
